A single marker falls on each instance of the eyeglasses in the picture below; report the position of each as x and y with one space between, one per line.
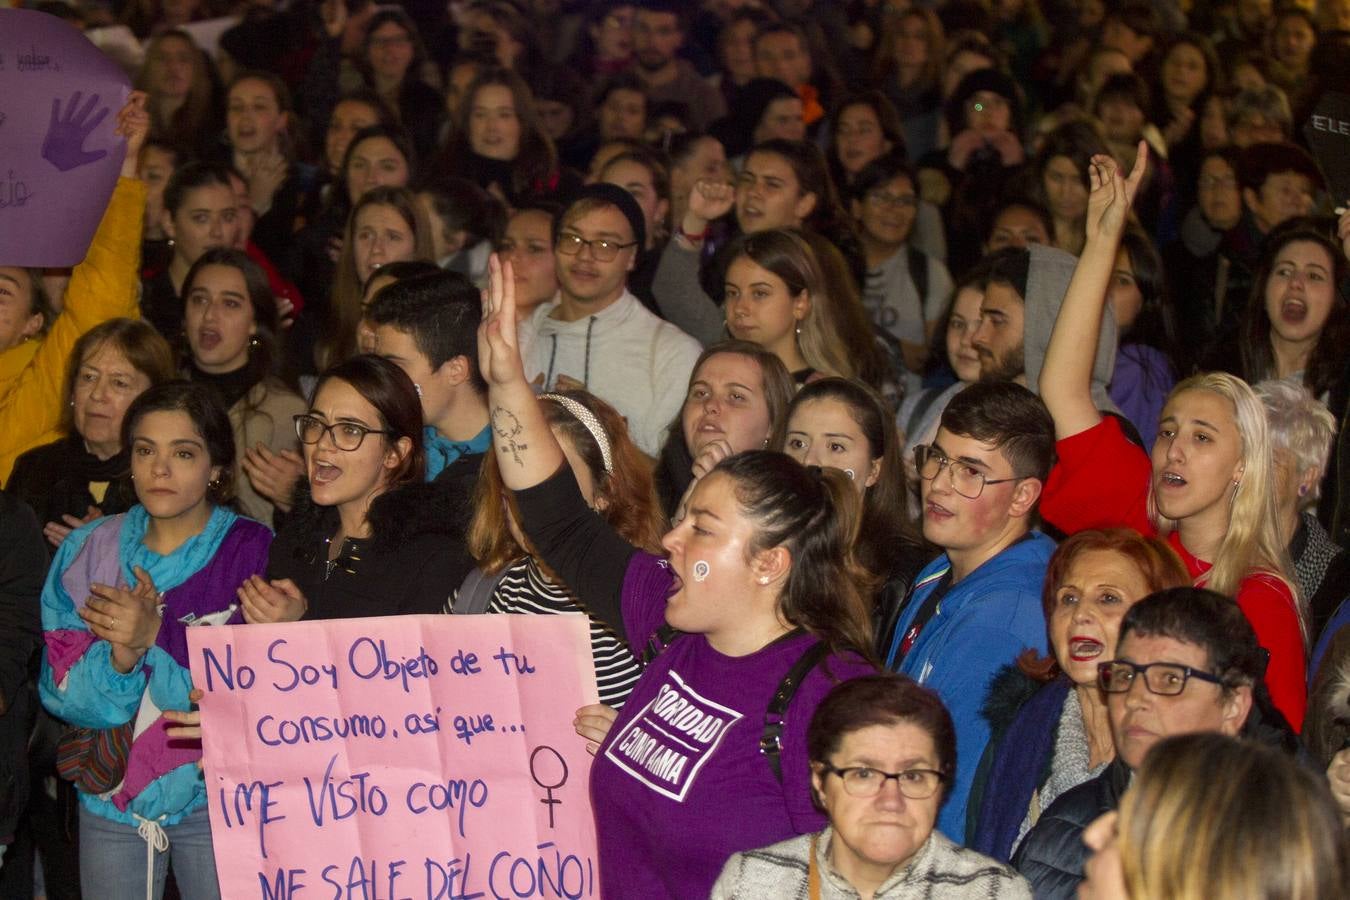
863 782
967 480
346 435
604 251
1166 679
893 201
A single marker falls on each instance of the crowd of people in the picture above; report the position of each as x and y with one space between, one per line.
948 394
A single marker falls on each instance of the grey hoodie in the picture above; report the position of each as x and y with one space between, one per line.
1047 280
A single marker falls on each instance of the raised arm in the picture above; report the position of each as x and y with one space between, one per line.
1066 376
587 554
527 452
675 284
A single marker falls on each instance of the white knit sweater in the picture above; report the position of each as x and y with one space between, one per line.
940 870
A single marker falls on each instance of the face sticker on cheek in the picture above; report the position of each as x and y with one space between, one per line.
702 570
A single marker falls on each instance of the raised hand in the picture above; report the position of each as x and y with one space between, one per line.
498 350
708 200
1111 197
962 147
133 123
56 532
266 172
127 619
265 602
273 475
63 146
1338 776
712 453
593 723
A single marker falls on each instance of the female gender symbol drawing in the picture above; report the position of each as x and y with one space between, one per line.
549 800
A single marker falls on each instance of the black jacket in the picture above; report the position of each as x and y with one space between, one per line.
23 567
1051 856
456 484
411 565
55 480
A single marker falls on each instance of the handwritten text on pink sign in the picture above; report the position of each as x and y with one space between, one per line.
408 758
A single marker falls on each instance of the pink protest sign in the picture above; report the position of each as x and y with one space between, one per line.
59 158
402 758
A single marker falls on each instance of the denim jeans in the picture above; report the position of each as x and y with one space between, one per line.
113 859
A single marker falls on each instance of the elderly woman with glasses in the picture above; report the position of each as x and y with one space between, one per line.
366 535
881 841
1049 730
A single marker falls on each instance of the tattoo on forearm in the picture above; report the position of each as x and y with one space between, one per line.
507 427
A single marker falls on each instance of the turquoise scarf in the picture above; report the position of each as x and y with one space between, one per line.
170 571
441 451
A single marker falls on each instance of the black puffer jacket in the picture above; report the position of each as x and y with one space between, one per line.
411 565
1052 854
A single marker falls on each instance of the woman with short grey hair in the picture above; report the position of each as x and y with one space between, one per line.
1301 433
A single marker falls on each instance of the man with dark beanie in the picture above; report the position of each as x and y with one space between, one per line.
596 334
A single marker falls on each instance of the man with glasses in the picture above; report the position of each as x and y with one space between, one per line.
596 335
1187 661
976 607
907 291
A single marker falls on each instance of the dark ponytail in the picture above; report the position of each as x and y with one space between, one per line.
815 515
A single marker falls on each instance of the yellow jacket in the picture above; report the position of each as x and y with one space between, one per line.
105 286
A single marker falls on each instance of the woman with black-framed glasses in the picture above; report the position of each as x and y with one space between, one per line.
366 536
881 840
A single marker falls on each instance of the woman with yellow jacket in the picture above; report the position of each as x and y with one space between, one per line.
35 344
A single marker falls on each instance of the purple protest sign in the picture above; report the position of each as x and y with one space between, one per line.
59 158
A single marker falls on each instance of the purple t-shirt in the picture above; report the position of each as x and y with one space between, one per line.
680 784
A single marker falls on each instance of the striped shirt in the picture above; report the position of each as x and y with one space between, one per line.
524 588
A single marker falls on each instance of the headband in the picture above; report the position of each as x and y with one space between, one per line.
591 423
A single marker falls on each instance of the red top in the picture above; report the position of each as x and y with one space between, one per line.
1102 480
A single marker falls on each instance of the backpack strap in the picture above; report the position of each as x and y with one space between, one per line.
921 407
475 593
775 717
658 642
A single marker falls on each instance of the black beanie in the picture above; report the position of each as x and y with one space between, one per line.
615 196
991 80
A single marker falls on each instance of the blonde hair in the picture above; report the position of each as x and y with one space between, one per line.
1252 542
1214 816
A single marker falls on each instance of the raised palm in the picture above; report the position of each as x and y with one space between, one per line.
1112 196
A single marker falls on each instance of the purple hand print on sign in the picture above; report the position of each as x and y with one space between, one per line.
64 144
60 155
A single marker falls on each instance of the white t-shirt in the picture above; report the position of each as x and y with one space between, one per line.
893 301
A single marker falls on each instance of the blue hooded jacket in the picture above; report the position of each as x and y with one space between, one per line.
981 625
